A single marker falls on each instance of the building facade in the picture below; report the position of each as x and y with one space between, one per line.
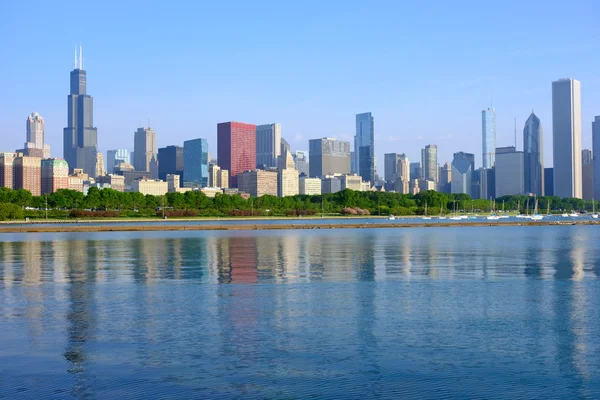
116 182
144 145
352 182
566 137
258 182
328 156
195 163
55 175
114 158
445 183
596 154
509 171
80 137
364 146
587 173
28 174
309 186
301 161
488 137
34 145
268 145
416 171
429 163
236 148
6 170
152 187
331 184
533 153
170 162
287 177
461 175
549 181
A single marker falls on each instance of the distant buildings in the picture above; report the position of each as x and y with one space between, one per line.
268 145
328 156
170 161
116 182
55 175
331 184
150 186
352 182
509 171
403 175
445 184
596 154
429 163
258 182
396 166
114 158
6 170
217 177
364 146
27 174
80 137
587 173
301 161
487 183
195 161
35 146
416 170
236 149
566 137
100 171
488 137
144 144
287 177
548 181
461 175
309 186
533 153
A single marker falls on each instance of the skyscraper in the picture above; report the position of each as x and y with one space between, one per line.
429 163
416 170
287 177
328 156
301 161
509 171
461 175
390 168
596 154
195 163
236 148
364 146
488 137
144 146
533 153
403 174
80 137
114 158
34 146
268 145
170 162
587 174
566 137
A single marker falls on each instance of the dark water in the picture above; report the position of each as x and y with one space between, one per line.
505 312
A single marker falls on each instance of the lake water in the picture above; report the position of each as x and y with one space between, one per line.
472 312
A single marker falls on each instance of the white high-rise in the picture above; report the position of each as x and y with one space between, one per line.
488 137
34 146
566 137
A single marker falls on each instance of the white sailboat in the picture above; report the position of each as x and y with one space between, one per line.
425 216
455 217
535 216
594 213
492 216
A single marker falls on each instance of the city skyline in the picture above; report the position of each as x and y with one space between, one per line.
321 99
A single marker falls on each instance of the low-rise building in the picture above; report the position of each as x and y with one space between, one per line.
309 186
258 182
426 184
55 175
155 187
116 182
353 182
331 184
211 191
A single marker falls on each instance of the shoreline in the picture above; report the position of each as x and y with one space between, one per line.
111 227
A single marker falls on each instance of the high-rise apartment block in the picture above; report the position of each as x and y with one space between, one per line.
6 170
268 145
587 173
195 162
170 161
80 137
488 137
144 144
28 174
509 171
364 146
533 153
429 163
114 158
236 149
328 156
566 137
35 146
55 175
258 182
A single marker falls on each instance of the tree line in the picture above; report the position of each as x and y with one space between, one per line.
64 203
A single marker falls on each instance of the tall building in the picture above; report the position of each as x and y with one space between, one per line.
364 146
390 168
587 173
34 146
328 156
114 158
461 175
144 145
301 161
258 182
596 154
445 183
195 163
509 171
55 175
170 162
416 170
80 137
213 175
533 153
154 167
6 170
549 181
487 183
100 171
566 137
268 145
236 148
488 137
287 177
403 175
284 146
28 174
429 163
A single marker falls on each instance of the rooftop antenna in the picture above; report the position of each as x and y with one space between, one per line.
80 57
515 133
75 59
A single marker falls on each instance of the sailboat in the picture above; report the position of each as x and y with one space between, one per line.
492 216
441 216
594 213
425 216
455 217
519 215
548 211
535 216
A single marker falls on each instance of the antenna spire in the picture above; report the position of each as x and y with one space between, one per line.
80 57
75 59
515 133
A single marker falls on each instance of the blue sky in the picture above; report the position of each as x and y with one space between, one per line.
425 69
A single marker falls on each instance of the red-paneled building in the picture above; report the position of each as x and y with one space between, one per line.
236 148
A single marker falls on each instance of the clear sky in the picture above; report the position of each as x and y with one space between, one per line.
425 69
